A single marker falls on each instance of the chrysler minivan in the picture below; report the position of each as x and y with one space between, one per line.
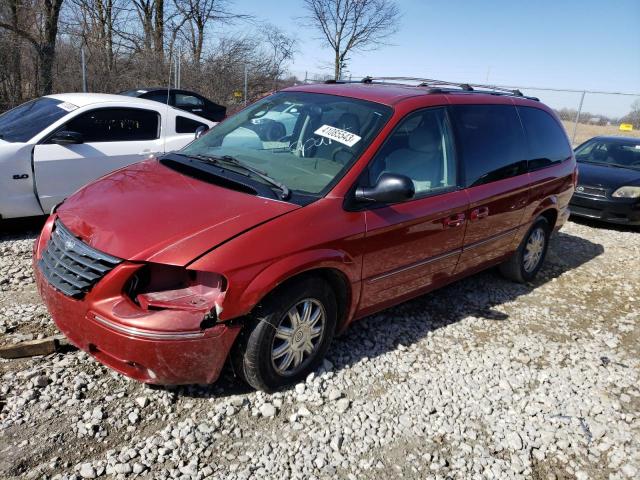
261 240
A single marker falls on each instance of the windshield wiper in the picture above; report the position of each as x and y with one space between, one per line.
229 160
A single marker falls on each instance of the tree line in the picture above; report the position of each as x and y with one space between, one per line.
633 117
134 43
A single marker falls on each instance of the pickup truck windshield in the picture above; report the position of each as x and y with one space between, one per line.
23 122
305 141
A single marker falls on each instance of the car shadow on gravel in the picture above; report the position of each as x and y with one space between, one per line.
409 322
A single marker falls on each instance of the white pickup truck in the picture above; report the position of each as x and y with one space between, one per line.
52 146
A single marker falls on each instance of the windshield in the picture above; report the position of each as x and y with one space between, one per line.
305 141
614 152
23 122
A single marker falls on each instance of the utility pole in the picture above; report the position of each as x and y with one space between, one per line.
84 70
575 125
246 81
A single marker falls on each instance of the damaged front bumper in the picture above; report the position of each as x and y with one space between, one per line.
165 337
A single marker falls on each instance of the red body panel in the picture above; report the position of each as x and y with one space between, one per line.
169 218
167 361
409 245
495 213
150 213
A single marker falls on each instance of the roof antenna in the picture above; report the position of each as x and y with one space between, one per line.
367 79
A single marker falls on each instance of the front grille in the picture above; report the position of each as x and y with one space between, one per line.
593 191
70 265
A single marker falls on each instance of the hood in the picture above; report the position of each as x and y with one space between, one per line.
150 212
607 177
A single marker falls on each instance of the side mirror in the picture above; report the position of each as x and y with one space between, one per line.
66 137
201 130
391 188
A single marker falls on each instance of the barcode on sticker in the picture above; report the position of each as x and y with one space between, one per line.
343 136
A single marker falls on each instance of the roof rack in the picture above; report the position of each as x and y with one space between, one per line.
440 86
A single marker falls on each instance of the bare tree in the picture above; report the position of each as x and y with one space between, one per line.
198 15
282 47
351 25
152 17
41 34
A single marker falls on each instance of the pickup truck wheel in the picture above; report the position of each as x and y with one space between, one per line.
526 262
288 335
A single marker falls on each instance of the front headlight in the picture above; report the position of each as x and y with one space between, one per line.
627 192
166 287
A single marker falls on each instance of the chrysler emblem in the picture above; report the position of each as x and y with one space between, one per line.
69 245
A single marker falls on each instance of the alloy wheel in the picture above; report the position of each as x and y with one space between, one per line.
534 249
298 336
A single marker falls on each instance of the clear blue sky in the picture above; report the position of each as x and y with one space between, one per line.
585 44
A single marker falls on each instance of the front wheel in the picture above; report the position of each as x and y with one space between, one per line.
526 262
288 335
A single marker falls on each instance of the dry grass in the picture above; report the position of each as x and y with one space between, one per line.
585 132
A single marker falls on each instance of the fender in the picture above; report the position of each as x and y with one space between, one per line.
240 303
548 203
17 181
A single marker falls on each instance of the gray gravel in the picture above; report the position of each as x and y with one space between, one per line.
483 379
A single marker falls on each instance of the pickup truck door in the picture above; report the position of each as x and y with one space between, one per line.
112 138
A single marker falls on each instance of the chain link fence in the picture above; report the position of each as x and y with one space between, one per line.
584 113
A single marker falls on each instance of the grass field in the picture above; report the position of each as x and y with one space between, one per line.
585 132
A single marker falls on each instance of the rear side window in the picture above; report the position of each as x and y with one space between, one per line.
116 125
491 142
186 125
548 143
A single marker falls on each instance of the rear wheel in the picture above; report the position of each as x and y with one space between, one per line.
288 335
526 262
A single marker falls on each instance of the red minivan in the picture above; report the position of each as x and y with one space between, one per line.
313 207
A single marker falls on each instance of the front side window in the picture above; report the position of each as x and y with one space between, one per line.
305 141
548 143
491 141
116 125
421 148
27 120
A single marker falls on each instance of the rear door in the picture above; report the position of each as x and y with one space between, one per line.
493 150
414 245
113 137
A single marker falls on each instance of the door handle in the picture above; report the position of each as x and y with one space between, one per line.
454 220
479 213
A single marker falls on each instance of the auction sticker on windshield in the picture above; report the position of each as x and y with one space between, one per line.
343 136
69 107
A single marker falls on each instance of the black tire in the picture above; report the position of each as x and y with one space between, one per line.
252 354
515 267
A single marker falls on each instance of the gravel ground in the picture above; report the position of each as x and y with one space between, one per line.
482 379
